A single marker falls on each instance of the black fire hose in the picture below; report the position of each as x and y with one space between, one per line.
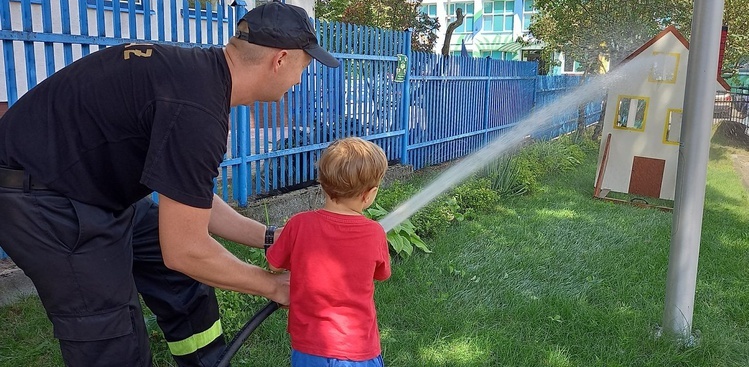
245 332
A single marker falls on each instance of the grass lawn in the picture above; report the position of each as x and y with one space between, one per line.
552 279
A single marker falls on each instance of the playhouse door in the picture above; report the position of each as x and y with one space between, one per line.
646 177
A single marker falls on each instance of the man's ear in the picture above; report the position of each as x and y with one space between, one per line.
280 57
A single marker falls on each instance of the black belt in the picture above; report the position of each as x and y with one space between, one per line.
19 179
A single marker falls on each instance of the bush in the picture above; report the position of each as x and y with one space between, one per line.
394 194
477 195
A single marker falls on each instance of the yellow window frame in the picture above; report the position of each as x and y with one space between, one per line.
675 55
644 115
669 113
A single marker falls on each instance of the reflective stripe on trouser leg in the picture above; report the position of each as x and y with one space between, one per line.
197 341
186 310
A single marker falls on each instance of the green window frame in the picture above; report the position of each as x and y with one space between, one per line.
499 16
467 26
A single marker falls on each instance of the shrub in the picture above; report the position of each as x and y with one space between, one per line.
507 178
476 195
397 192
436 216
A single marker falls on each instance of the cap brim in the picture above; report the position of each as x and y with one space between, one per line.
319 54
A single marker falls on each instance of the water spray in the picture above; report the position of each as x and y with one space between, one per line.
510 140
459 172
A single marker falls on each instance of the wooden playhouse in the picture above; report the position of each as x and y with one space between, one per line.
642 123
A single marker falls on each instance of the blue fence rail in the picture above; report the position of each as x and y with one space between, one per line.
445 108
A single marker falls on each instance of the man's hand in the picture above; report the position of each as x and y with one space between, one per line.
283 280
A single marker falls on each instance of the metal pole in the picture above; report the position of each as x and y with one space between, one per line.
699 98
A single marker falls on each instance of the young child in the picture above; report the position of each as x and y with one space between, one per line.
334 255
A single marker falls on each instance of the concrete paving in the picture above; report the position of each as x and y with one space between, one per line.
14 284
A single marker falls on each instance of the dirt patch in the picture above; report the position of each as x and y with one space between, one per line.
741 164
733 134
736 135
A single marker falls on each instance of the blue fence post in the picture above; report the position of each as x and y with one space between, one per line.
239 184
8 55
487 70
3 255
406 112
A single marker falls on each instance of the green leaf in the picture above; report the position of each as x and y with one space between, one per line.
396 241
416 241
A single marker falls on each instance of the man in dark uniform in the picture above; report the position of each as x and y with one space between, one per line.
80 151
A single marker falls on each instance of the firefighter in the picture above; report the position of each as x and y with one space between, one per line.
81 152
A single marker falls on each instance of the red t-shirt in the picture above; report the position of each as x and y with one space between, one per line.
334 260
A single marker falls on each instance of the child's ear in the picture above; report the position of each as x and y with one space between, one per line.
370 194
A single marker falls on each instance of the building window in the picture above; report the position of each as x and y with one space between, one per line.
467 26
672 130
498 55
631 112
569 65
528 11
498 16
665 67
430 10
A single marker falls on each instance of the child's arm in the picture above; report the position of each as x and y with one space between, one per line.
382 270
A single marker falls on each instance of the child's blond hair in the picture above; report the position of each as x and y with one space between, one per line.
350 167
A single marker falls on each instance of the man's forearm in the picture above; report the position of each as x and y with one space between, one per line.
225 222
211 264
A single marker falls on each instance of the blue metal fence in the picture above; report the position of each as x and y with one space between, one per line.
551 87
279 147
445 108
458 104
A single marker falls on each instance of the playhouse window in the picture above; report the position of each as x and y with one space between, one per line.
631 112
665 67
672 130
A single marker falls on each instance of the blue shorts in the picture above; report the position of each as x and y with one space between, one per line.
299 359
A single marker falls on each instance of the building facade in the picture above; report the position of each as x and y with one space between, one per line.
492 28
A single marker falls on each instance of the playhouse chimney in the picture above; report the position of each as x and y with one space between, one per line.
723 38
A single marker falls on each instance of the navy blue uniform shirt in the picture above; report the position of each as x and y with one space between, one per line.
122 122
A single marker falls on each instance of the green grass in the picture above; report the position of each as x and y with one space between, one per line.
552 279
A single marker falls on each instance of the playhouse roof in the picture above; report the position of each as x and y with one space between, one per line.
680 37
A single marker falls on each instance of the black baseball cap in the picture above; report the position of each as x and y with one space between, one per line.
279 25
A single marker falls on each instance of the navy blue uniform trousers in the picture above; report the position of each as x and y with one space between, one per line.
89 265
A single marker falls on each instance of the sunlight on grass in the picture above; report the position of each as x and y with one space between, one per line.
456 352
557 213
559 357
624 308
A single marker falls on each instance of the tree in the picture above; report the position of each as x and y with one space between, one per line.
388 14
450 29
736 17
586 30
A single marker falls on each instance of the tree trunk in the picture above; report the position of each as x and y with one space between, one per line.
581 109
450 29
599 126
